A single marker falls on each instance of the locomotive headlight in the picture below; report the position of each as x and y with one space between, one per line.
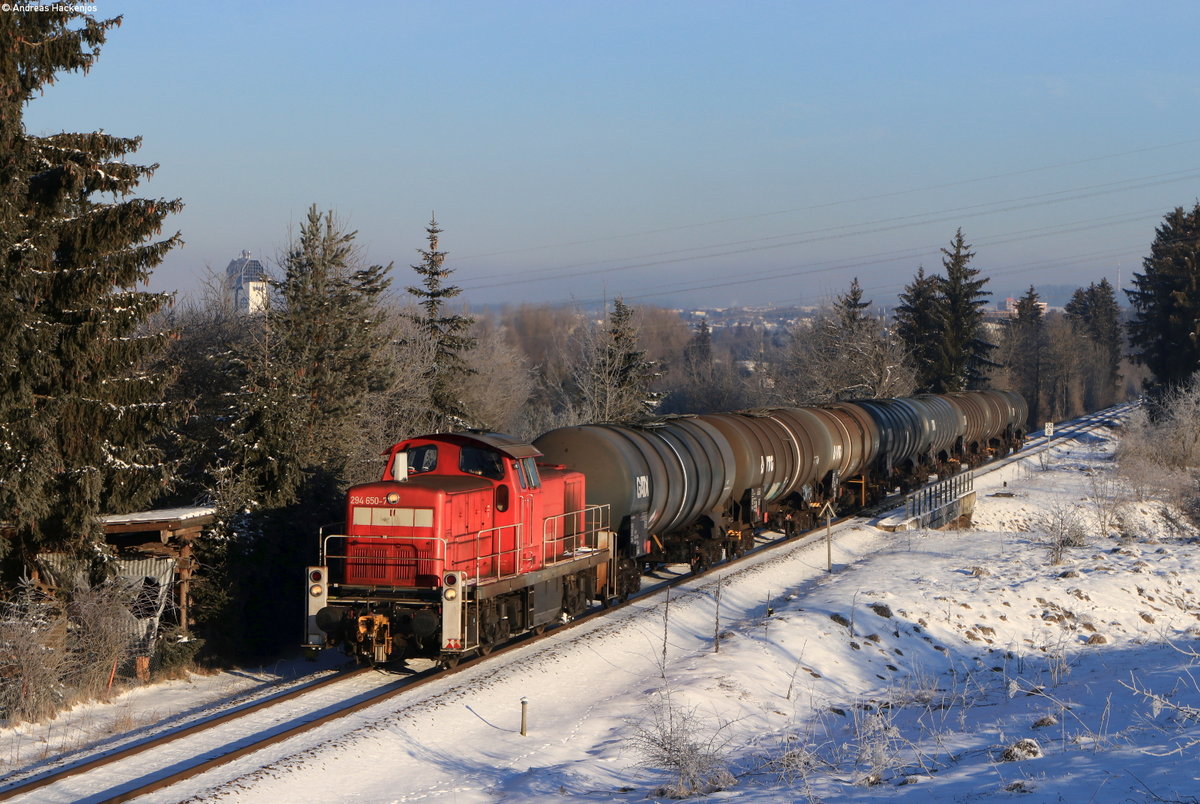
451 594
316 589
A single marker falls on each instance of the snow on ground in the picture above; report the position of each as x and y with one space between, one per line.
955 665
145 711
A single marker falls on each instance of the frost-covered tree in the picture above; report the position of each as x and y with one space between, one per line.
80 411
309 376
844 354
448 332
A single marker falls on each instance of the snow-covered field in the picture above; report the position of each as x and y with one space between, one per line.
954 665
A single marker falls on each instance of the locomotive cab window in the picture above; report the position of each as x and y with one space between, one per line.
482 462
530 473
422 459
502 497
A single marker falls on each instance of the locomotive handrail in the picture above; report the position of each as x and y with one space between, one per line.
496 557
420 557
594 521
487 562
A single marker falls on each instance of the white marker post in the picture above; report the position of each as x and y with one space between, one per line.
828 513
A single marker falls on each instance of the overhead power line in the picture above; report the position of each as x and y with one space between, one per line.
830 204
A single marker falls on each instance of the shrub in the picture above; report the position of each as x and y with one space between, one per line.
691 748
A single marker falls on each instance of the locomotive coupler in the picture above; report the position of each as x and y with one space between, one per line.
375 637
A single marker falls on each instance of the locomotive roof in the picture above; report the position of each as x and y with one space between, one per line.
497 441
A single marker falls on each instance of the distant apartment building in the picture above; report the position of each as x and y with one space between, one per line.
246 284
1010 306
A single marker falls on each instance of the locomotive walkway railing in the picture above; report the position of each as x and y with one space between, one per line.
486 556
931 500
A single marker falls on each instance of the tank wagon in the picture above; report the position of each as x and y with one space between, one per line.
470 538
696 488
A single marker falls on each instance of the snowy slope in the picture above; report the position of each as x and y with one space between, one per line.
915 670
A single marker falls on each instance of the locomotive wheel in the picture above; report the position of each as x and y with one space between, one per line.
538 630
484 650
449 662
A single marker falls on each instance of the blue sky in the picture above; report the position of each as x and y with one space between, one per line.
697 153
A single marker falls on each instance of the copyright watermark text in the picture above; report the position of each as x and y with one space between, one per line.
78 8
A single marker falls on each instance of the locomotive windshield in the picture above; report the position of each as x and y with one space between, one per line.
483 462
422 459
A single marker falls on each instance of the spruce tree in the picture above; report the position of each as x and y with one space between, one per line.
615 375
963 355
1165 328
81 414
309 376
849 307
1093 313
1026 349
448 332
306 379
919 327
698 355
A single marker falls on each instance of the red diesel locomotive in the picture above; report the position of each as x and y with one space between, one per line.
465 541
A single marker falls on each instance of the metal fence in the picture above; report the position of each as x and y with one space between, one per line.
939 495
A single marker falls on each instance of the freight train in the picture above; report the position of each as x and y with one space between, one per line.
471 538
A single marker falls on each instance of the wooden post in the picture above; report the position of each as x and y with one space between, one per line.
524 716
828 545
717 620
184 569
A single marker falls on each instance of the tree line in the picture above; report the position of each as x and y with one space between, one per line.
115 399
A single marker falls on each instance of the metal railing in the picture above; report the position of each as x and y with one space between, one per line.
497 554
938 495
580 532
382 560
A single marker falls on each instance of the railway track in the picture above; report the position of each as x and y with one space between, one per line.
157 763
39 782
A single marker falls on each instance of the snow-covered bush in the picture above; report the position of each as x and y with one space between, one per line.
1159 453
1064 528
677 739
102 634
33 658
54 653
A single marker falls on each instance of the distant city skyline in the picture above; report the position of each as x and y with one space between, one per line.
676 152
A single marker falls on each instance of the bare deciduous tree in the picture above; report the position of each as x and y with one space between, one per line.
829 361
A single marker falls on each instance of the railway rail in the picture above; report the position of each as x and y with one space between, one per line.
160 762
